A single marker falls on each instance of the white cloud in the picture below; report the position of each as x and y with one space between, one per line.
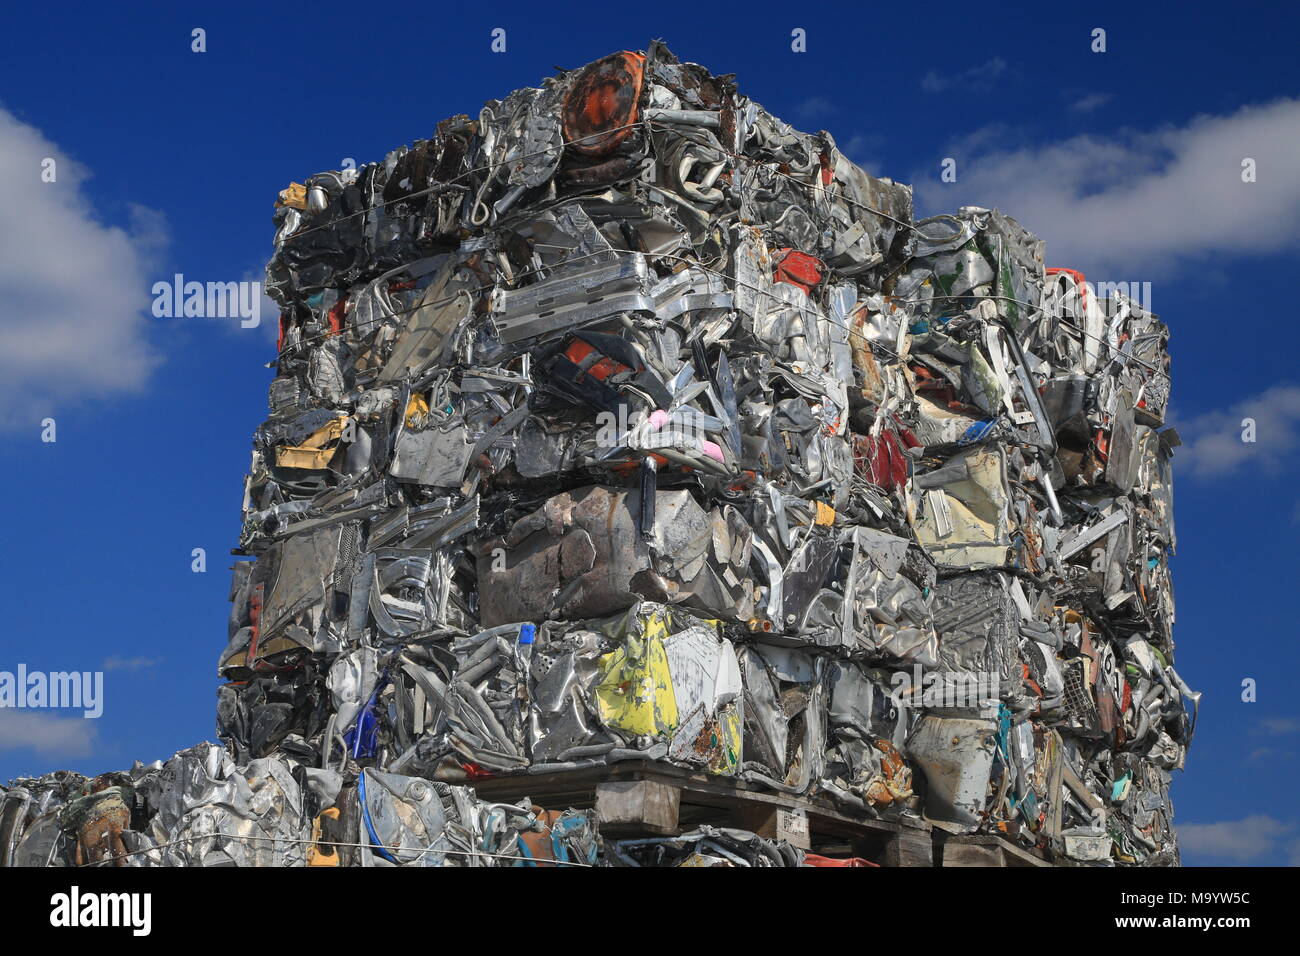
47 734
979 77
1238 841
1279 725
1141 202
1090 102
1212 442
74 292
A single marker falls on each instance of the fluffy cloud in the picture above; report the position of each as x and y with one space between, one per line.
1236 841
46 734
1145 199
74 290
1213 446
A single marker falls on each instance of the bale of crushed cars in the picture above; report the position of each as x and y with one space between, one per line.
626 422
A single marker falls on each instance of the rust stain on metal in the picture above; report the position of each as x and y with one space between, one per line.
603 103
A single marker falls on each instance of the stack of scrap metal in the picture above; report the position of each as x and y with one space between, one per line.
624 422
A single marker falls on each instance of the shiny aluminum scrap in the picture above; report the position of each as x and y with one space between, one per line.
624 421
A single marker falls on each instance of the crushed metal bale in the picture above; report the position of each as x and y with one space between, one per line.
623 422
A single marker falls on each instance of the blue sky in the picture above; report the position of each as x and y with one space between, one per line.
1127 162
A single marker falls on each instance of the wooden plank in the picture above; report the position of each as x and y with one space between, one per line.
909 847
776 823
636 806
971 854
1019 856
1008 853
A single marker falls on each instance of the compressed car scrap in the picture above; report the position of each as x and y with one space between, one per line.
625 422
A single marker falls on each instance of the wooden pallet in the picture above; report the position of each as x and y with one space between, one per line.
981 850
641 798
